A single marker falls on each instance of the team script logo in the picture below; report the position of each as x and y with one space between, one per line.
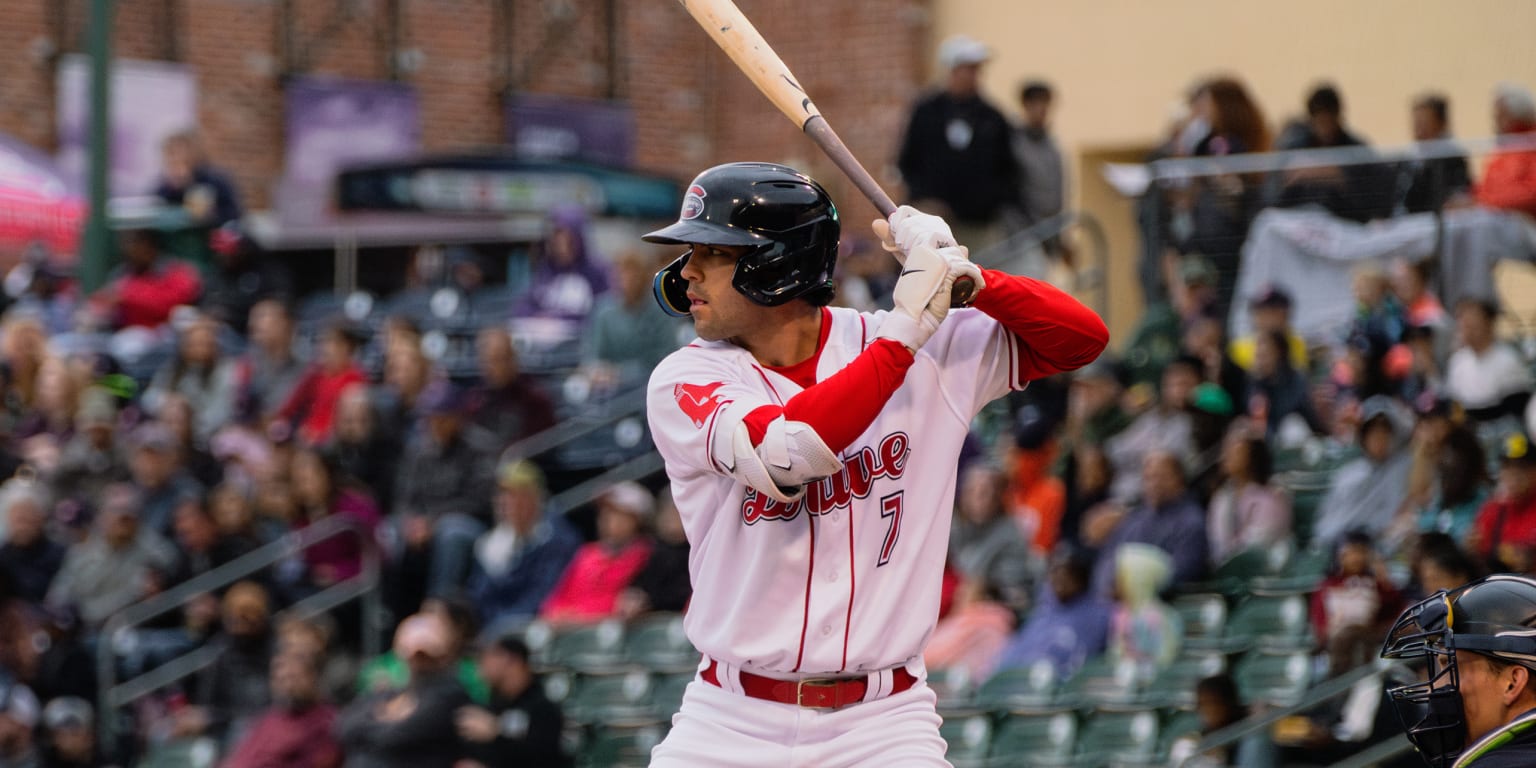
693 202
858 475
698 401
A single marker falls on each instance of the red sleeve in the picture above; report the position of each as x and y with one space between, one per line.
185 285
843 405
1056 332
301 394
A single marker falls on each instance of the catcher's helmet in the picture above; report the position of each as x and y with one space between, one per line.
783 216
1494 617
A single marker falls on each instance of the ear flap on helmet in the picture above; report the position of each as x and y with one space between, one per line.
671 289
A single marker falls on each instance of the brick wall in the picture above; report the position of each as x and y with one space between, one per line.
859 59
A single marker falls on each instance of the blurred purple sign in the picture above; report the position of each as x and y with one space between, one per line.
564 128
332 123
151 100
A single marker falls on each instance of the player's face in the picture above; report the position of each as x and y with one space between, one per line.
719 311
1481 687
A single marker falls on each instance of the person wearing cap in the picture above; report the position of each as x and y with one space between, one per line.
95 456
442 496
1369 492
69 736
1043 183
518 562
521 726
1269 311
107 572
311 407
158 475
18 718
1486 375
957 156
414 727
1505 531
589 589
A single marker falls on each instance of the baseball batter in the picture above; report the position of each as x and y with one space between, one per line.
812 453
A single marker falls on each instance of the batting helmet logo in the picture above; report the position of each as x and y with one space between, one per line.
693 202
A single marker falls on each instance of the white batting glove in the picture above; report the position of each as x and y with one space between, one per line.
922 295
910 228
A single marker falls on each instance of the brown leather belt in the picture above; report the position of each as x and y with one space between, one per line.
814 694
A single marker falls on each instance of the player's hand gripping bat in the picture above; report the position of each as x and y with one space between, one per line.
731 30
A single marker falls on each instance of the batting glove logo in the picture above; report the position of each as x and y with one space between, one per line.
693 202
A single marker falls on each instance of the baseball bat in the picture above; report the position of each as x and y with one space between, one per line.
735 35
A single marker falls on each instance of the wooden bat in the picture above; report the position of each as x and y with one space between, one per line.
735 35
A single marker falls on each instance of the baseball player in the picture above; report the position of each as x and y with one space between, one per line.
812 453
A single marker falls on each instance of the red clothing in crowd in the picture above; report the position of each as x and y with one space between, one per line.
1510 181
284 739
313 401
146 299
1037 498
1506 523
590 586
341 557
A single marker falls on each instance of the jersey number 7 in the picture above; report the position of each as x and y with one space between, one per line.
890 509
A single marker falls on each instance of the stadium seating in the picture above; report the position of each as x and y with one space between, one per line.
1272 622
667 693
610 697
621 744
595 648
969 735
1271 677
1119 737
658 643
1040 738
1175 684
1029 686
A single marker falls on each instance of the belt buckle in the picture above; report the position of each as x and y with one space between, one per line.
818 699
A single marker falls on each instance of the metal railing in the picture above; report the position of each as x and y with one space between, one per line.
119 628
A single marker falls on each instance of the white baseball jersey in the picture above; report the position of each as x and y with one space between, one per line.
846 578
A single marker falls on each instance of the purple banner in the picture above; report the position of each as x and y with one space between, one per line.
564 128
151 100
332 123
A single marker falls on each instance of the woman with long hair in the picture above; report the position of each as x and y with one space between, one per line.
320 491
200 373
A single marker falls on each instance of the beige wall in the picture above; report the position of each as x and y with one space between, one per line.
1120 65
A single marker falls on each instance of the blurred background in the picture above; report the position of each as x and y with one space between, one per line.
322 362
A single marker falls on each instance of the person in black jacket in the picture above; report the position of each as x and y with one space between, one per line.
521 727
414 727
958 150
663 584
30 557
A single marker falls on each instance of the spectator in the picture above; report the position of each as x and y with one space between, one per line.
198 374
589 589
311 407
1043 182
506 402
1164 427
159 477
1509 181
517 563
407 375
627 337
106 572
1219 705
1157 338
985 544
566 283
1268 312
414 727
1144 631
442 496
1461 471
1369 492
663 584
201 544
1351 608
390 672
956 158
971 634
1035 498
1505 532
94 457
1377 312
521 727
28 557
1205 339
240 277
269 371
1441 564
148 286
1246 512
321 491
1433 182
296 731
1069 623
1278 394
1167 517
189 181
1358 192
18 717
363 449
231 505
24 351
192 453
69 734
1487 376
1410 284
228 696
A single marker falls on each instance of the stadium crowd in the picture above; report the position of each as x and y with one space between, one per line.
182 418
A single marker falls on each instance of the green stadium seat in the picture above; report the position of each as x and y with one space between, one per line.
199 752
955 687
604 698
658 643
1306 569
667 693
1119 737
1175 686
1038 738
622 745
1030 686
1276 678
595 648
1272 622
1101 681
1180 723
1232 577
1204 615
969 735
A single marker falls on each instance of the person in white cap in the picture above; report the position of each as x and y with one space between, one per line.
957 158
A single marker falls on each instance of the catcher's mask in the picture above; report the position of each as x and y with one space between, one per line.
1494 617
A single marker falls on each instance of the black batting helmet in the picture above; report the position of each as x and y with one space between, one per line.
783 216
